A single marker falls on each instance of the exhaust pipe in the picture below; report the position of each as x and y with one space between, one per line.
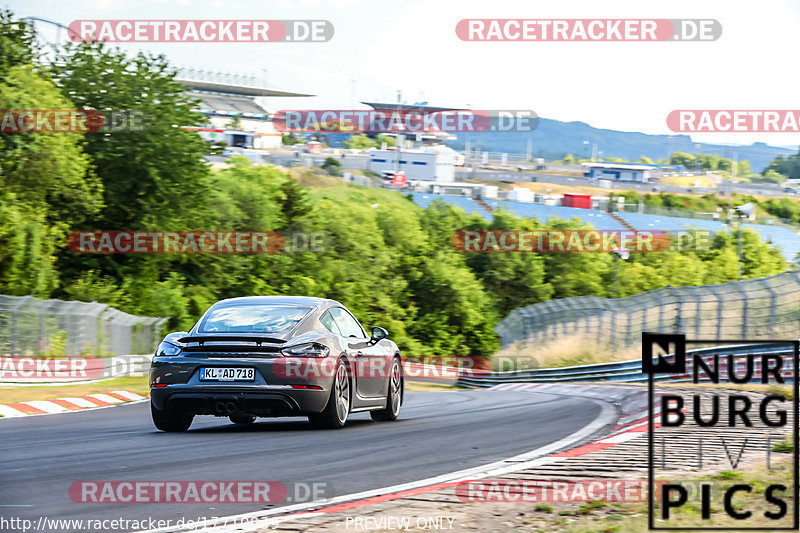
220 408
231 407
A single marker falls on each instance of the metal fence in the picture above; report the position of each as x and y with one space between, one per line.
752 309
32 327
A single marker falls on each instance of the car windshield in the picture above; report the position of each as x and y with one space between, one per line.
252 319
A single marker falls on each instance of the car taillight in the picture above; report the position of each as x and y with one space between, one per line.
308 349
167 349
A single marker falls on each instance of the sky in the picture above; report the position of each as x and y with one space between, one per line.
381 47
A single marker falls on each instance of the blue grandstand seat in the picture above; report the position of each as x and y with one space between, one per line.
467 204
781 236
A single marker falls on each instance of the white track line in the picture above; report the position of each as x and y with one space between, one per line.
621 437
518 462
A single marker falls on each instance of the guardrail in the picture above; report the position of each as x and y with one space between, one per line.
622 372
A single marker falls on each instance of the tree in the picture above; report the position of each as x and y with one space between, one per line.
515 279
743 168
680 158
294 201
770 176
46 181
46 170
787 166
381 138
360 142
235 123
706 161
332 166
289 139
143 172
17 42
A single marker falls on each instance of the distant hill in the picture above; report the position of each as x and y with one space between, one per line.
554 139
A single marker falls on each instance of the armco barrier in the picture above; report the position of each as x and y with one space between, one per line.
621 372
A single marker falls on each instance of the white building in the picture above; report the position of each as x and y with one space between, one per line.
426 163
618 172
471 190
520 194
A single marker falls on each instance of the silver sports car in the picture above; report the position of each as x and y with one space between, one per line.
268 356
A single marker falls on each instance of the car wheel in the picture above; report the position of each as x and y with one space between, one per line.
393 396
335 413
172 421
242 420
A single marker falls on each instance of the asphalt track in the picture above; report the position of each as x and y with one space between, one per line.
437 433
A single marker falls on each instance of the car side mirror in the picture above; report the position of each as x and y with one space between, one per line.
378 334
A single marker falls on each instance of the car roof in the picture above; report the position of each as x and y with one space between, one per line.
254 300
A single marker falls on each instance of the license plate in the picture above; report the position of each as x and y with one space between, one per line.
227 374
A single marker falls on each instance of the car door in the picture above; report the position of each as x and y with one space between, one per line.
371 360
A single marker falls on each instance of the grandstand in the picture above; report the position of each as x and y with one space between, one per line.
598 219
224 97
649 222
780 236
467 204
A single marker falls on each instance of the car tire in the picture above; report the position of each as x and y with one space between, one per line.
170 421
394 395
242 420
334 416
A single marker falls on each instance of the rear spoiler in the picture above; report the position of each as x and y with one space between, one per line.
237 338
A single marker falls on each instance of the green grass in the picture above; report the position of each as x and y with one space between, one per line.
728 474
783 447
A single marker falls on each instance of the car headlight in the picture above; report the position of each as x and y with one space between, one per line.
168 349
308 349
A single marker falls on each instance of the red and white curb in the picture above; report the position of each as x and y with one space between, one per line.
65 405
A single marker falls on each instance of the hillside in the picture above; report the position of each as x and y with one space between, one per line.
553 139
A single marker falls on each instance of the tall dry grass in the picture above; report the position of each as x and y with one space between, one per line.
565 351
